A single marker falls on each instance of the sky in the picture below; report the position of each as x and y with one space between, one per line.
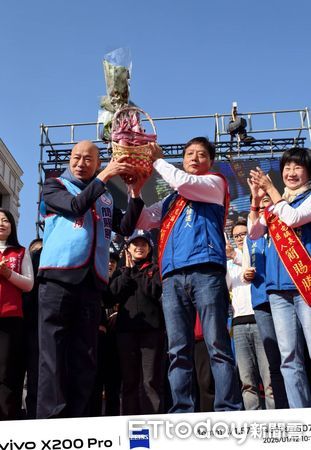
188 58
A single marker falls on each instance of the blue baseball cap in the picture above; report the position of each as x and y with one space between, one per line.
141 234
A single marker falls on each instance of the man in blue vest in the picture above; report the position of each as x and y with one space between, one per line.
192 258
79 218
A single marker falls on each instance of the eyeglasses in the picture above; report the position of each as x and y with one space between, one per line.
239 235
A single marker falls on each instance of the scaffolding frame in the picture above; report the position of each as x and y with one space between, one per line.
55 152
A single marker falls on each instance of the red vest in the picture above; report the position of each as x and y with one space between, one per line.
10 295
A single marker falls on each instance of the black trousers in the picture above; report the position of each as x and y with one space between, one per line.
141 359
31 345
69 317
108 377
11 367
204 378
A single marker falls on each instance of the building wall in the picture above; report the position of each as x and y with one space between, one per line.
10 181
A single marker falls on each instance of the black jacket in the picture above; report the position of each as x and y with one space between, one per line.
138 291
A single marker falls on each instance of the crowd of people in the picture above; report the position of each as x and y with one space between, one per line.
197 321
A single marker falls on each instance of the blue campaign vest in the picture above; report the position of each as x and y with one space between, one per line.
197 236
277 278
68 241
257 253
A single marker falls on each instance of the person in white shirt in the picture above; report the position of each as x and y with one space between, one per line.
250 354
192 259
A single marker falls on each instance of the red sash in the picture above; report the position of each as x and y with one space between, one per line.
167 224
174 212
292 253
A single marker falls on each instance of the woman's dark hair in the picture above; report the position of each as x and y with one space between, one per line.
299 155
209 147
114 256
12 239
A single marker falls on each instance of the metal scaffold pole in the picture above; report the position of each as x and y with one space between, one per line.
272 132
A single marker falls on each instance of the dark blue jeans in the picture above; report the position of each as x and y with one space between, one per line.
203 289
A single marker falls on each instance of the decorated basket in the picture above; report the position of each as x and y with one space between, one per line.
130 140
